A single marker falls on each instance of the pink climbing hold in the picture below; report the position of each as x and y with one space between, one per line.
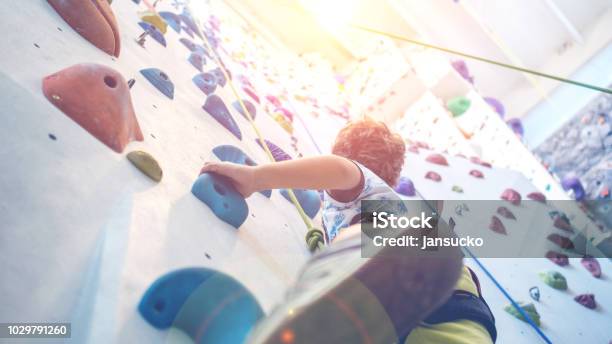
476 174
592 265
413 149
98 99
511 196
558 258
476 160
433 176
94 20
437 159
422 144
561 222
497 226
505 212
563 242
537 196
587 300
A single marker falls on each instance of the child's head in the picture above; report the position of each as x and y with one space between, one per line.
373 145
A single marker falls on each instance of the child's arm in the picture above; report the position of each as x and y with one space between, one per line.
329 172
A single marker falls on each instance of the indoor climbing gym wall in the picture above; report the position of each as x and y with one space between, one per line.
111 108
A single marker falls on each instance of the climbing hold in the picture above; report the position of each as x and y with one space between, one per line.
160 80
511 196
554 279
505 212
187 43
476 160
497 226
496 105
219 194
234 154
537 196
461 208
248 105
587 300
147 164
433 176
154 19
186 18
405 186
516 125
153 32
94 20
457 188
217 109
413 149
437 159
573 183
98 99
558 258
592 265
563 242
528 308
197 61
173 20
476 174
284 123
534 292
208 305
218 73
461 67
277 153
308 199
561 221
458 105
131 83
251 94
206 82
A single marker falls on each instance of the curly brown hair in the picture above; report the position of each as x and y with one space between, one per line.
373 145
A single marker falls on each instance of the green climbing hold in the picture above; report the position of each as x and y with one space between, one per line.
528 308
458 105
457 188
554 279
147 164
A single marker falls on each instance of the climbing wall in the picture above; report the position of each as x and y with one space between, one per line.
563 320
84 233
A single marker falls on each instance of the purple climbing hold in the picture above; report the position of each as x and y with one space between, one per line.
277 152
153 32
558 258
497 226
592 265
220 76
248 105
505 212
587 300
496 105
433 176
573 183
172 19
516 125
217 109
187 43
206 82
511 196
476 174
461 67
563 242
537 196
405 187
197 61
437 159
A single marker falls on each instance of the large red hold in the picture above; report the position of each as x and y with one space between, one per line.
497 226
94 20
98 99
537 196
437 159
511 196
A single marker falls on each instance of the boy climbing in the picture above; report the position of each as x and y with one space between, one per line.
341 297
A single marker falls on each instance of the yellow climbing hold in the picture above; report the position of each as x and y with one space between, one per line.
155 20
283 122
147 164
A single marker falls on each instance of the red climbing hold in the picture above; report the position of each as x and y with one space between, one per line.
591 264
433 176
537 196
497 226
562 222
476 160
437 159
587 300
563 242
505 212
511 196
94 20
476 174
558 258
98 99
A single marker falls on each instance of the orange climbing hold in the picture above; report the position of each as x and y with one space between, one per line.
94 20
98 99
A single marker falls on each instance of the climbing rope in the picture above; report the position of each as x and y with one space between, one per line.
497 63
314 236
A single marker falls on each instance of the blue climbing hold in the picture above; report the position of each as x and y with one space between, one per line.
219 194
220 76
308 199
160 80
188 43
206 82
248 105
217 109
234 154
153 32
197 61
186 18
277 153
208 305
172 19
405 187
